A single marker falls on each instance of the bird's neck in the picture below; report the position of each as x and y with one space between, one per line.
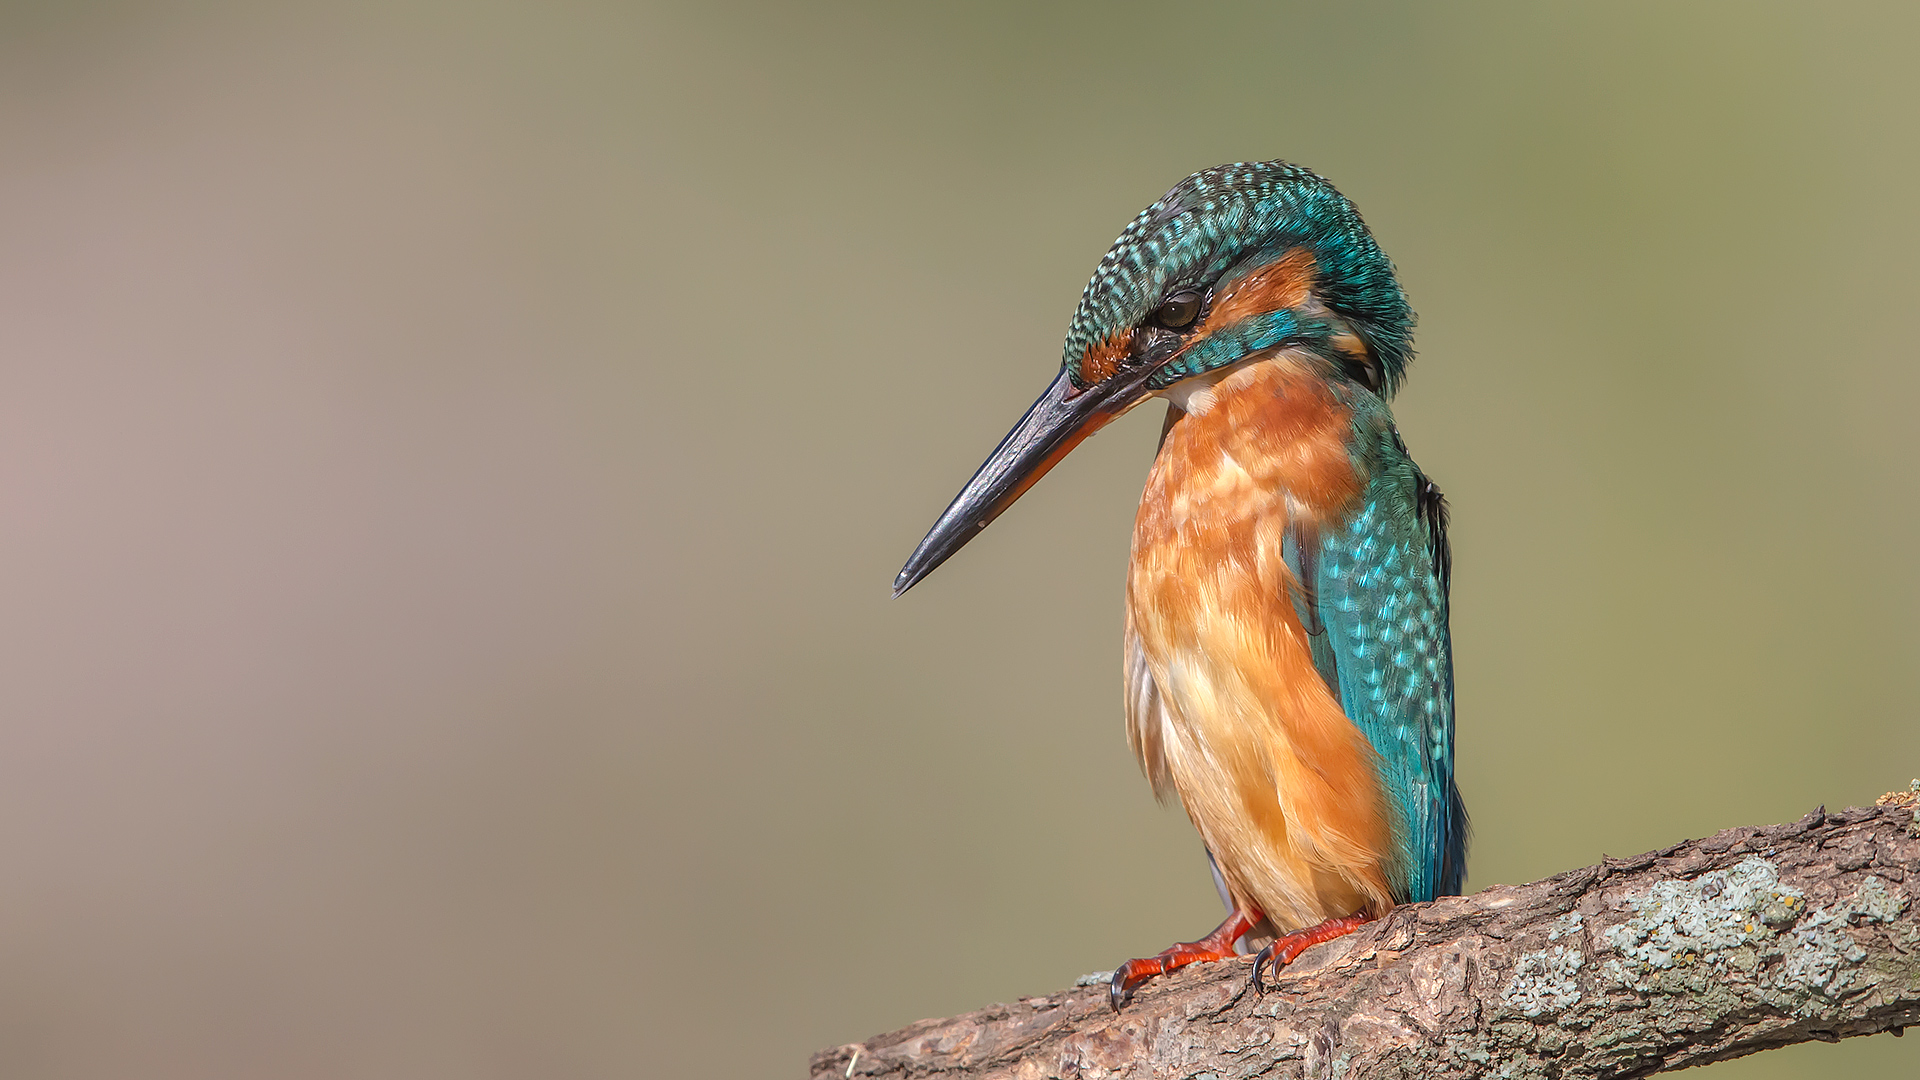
1266 438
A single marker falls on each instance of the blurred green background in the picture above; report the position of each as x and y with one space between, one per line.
453 457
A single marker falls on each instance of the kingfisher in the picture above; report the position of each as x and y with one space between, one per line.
1287 664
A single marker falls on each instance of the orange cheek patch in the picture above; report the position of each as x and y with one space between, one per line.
1103 357
1284 283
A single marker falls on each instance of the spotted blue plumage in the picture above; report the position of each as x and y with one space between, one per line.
1377 608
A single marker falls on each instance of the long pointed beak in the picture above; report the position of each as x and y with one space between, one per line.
1053 426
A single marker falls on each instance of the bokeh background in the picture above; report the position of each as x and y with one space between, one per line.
453 458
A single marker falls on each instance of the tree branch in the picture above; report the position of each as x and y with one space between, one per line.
1711 949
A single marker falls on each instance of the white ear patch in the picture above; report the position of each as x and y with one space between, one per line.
1196 395
1192 399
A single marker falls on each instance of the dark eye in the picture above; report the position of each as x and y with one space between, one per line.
1178 310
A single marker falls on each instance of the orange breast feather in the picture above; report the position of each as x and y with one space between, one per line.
1224 702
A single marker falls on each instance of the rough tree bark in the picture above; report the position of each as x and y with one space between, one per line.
1750 939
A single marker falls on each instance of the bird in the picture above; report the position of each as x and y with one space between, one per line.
1287 659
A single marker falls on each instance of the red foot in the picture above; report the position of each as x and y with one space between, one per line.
1215 946
1283 950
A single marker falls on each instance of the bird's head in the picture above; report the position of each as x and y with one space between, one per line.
1236 263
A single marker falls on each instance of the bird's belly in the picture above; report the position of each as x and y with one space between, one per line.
1281 785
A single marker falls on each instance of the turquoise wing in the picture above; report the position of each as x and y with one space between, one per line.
1375 605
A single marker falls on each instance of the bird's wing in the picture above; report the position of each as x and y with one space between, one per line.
1146 708
1374 599
1146 715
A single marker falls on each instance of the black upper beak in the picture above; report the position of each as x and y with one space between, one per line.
1053 426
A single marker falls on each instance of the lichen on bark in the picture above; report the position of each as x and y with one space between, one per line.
1746 940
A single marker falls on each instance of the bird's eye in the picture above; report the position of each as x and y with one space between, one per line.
1178 310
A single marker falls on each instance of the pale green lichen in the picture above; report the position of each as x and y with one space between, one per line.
1543 982
1565 925
1682 932
1877 903
1782 910
1821 953
1714 912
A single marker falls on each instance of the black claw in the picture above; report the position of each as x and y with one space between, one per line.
1259 962
1118 992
